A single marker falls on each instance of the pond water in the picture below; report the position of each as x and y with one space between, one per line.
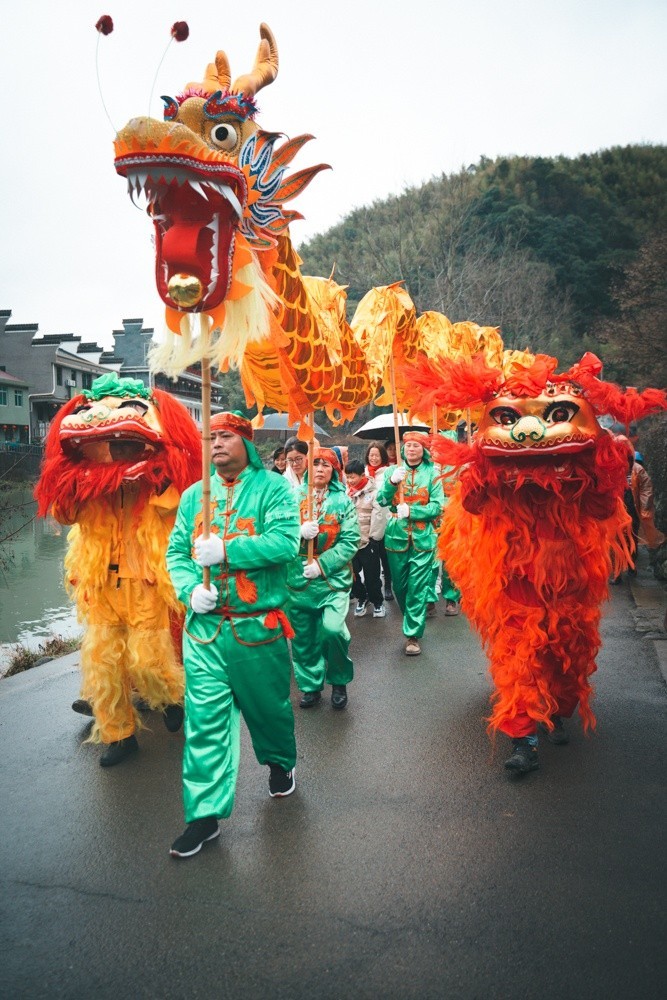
33 603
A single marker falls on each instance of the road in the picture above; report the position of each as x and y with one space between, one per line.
407 864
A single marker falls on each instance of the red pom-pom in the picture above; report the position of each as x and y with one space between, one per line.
105 25
180 30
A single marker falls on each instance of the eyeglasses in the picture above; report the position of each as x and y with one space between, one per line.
299 460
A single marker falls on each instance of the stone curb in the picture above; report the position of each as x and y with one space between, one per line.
650 599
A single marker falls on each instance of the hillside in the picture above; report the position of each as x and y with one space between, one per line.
536 246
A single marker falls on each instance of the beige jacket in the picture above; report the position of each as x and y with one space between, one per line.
372 518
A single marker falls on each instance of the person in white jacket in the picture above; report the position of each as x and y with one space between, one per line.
372 522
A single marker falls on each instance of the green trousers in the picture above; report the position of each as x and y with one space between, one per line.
449 592
322 640
239 672
412 582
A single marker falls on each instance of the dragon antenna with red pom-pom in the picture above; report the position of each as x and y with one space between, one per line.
179 32
104 26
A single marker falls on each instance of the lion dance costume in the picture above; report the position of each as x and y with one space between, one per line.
117 459
535 528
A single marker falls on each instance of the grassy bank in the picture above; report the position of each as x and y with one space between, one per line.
24 659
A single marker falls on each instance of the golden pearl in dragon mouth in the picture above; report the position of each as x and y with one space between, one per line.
185 290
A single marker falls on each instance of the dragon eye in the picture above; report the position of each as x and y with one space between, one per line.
560 413
224 136
506 416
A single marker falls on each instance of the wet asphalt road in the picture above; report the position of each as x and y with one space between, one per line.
407 864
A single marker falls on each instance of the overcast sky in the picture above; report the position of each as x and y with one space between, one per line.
395 93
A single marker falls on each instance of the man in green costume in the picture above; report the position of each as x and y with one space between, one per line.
319 591
415 498
235 637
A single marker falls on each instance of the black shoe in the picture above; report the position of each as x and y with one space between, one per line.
281 782
173 717
118 751
194 837
558 734
309 698
141 705
388 594
338 696
430 609
82 706
523 758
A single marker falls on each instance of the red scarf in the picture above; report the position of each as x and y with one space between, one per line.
372 470
359 487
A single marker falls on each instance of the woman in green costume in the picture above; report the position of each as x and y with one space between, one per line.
415 498
319 591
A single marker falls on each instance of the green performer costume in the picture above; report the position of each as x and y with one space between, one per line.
319 594
235 655
410 538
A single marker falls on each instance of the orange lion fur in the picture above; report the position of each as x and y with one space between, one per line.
532 561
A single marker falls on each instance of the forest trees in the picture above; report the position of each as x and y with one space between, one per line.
634 341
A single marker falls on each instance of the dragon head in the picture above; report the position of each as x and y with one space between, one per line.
214 182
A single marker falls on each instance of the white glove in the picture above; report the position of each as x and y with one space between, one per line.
398 475
203 600
312 570
309 529
209 551
402 510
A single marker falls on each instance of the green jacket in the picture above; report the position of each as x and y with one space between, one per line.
334 546
258 518
423 492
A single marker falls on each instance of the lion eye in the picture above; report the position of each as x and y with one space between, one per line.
224 136
135 404
560 413
506 416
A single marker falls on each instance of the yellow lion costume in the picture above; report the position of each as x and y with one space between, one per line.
117 459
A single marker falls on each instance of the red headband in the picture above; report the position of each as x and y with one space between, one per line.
234 423
416 436
329 456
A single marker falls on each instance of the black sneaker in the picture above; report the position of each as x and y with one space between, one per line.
173 717
338 696
523 757
194 837
310 698
118 751
388 594
558 734
82 706
281 782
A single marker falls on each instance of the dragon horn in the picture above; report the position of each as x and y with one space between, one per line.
216 76
265 69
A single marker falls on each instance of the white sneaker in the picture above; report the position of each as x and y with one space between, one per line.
380 612
360 609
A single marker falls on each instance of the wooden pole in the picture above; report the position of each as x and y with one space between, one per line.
468 425
397 435
205 440
310 421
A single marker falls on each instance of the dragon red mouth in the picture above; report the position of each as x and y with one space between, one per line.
196 207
